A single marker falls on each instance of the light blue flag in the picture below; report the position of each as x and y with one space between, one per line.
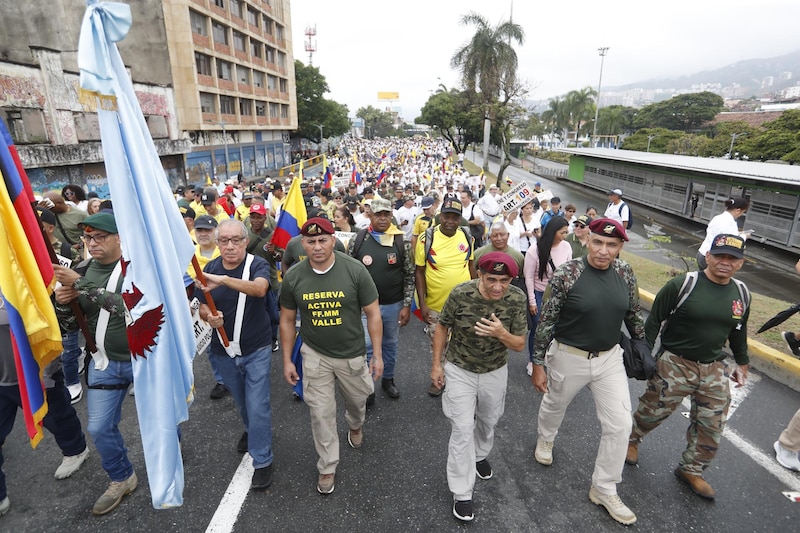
156 249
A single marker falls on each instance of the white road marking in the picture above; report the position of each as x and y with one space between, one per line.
767 462
228 510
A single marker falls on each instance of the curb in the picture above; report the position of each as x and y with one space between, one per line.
777 365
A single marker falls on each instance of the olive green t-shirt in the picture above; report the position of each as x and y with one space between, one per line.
116 338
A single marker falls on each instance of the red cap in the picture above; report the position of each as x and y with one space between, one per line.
258 209
498 263
317 226
608 227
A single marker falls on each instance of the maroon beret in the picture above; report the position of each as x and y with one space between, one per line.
608 227
317 226
498 263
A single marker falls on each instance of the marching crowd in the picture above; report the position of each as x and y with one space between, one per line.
394 227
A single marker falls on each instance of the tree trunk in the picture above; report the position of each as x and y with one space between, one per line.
487 129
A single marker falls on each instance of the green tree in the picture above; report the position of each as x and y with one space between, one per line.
685 112
314 109
659 140
456 115
486 62
377 123
615 120
720 144
580 109
779 139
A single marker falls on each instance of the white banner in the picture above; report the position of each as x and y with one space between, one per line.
520 194
202 331
345 237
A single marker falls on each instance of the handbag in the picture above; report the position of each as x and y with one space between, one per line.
637 354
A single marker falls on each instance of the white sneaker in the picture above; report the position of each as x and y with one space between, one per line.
131 390
75 392
71 463
544 452
529 369
786 458
5 505
613 504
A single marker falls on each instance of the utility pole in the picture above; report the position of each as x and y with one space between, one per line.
603 50
224 142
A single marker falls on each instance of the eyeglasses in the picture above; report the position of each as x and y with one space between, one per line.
89 237
223 241
69 193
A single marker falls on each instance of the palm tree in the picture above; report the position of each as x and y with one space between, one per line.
581 108
487 61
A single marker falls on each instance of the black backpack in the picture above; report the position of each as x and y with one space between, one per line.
630 214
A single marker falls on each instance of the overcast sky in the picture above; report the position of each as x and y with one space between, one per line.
368 46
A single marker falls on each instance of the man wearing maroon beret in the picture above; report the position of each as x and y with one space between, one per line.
483 318
583 309
329 291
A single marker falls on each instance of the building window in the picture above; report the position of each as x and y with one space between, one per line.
272 82
268 25
224 70
227 105
220 32
238 41
207 103
279 33
203 63
236 8
243 75
284 111
281 60
284 85
273 110
199 23
261 109
270 54
220 3
256 48
245 107
258 78
252 17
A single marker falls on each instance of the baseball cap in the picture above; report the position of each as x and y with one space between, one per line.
498 263
101 221
451 205
205 222
728 244
317 226
187 212
247 196
46 215
427 202
583 220
617 192
380 205
258 209
180 189
608 227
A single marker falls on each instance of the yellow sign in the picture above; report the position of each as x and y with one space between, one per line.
384 95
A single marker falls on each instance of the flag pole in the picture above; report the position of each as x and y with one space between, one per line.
209 299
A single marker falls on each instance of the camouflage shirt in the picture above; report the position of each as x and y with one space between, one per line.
464 307
559 293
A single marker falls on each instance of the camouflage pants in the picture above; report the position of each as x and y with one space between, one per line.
707 385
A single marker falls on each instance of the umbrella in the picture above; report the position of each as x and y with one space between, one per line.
779 318
297 360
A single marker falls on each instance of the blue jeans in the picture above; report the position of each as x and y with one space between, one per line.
69 358
533 321
247 377
390 313
61 420
105 411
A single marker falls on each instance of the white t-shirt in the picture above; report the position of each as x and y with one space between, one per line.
522 226
722 223
619 212
405 220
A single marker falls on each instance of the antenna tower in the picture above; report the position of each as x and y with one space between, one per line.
311 45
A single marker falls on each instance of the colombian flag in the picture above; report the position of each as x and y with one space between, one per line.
328 180
355 176
292 217
26 281
381 175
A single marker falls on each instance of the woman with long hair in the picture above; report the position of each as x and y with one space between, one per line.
93 206
725 222
528 225
75 195
541 261
343 220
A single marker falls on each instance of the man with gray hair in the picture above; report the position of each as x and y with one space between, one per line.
498 242
238 283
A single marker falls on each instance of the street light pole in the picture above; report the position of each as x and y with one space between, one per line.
650 138
603 50
224 142
321 137
734 136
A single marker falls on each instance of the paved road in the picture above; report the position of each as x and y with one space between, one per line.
397 482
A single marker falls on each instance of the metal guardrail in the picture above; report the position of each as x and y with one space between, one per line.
284 171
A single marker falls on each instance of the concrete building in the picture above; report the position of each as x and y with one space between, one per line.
214 79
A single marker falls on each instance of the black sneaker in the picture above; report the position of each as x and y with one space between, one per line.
219 391
241 446
484 469
791 342
462 510
390 388
262 478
